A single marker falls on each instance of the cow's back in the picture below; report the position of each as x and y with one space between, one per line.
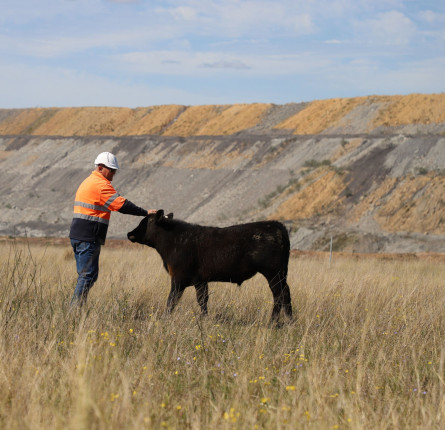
237 252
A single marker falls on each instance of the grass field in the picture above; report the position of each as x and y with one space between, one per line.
366 349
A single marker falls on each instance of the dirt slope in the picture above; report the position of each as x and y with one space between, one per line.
358 115
369 172
412 109
320 115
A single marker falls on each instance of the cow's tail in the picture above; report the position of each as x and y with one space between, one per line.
285 243
286 302
278 284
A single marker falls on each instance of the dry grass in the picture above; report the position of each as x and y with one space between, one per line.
366 349
320 114
175 120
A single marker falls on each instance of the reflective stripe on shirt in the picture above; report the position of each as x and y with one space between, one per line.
91 218
89 206
111 200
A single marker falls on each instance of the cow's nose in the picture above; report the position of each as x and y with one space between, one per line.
131 237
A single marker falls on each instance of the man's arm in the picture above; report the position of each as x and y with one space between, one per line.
130 208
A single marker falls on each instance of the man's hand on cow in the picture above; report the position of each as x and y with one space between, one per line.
151 211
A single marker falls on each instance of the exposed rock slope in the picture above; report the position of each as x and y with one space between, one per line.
368 171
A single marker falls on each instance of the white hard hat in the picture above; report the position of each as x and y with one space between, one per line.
107 159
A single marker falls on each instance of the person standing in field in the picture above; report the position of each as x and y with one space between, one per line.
95 200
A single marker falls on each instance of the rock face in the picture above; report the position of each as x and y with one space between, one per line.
368 172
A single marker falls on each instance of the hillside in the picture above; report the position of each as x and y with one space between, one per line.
357 115
368 171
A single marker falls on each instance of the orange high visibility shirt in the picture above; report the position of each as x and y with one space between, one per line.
96 198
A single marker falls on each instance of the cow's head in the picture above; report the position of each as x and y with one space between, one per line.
148 229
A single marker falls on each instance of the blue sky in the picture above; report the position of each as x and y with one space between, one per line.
143 53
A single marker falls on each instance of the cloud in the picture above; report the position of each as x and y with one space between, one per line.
224 64
303 24
432 17
48 12
52 47
389 28
434 28
217 63
182 13
233 18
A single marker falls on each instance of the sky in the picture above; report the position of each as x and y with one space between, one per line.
132 53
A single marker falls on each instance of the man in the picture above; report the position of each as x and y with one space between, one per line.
95 199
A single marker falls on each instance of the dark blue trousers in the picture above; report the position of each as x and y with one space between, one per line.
87 262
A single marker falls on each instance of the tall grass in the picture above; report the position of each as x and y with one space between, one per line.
366 349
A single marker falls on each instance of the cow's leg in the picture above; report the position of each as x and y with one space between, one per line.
281 295
287 304
174 296
276 304
202 294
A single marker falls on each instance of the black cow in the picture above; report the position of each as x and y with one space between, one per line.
195 255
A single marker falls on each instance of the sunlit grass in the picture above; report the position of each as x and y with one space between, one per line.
366 349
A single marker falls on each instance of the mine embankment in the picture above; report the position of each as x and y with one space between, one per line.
368 172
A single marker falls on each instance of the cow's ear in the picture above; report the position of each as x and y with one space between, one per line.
159 215
169 216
